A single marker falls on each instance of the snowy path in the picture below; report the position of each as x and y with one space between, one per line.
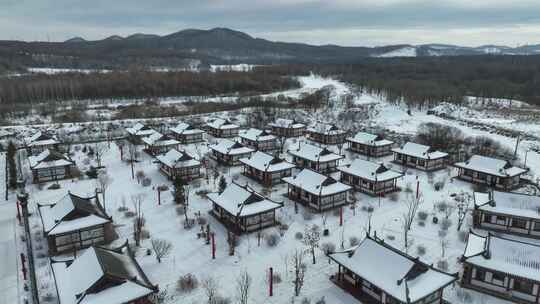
8 262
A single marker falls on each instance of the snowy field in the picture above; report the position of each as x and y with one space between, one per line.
192 255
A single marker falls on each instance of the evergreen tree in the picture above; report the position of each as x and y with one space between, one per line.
222 184
12 165
179 191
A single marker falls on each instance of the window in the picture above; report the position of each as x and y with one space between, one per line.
519 223
480 274
498 278
523 286
487 218
501 220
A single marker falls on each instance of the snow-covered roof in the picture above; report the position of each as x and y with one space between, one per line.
370 170
41 139
316 183
220 123
325 128
6 133
369 139
514 257
229 147
492 166
72 213
314 153
186 129
419 151
116 268
266 162
257 135
158 139
140 130
49 159
393 271
287 123
177 159
516 204
243 201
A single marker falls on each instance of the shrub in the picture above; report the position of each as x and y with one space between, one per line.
394 196
305 300
122 209
464 296
201 220
462 236
322 300
422 215
439 185
421 250
421 223
441 206
146 182
272 239
54 186
353 241
129 214
299 235
180 210
276 278
187 283
446 223
442 265
308 215
328 247
390 237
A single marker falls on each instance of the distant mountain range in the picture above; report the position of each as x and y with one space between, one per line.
214 46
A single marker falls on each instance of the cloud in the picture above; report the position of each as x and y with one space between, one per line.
346 22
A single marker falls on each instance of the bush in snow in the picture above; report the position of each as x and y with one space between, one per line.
462 236
421 224
187 283
276 278
201 220
180 210
129 214
146 182
463 296
353 241
390 237
328 247
394 196
49 297
322 300
272 239
442 265
299 235
421 250
446 223
145 234
221 300
86 161
308 215
439 185
305 300
422 215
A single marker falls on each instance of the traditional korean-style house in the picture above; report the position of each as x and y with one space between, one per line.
75 222
375 272
420 157
40 142
158 143
319 159
137 132
370 144
51 165
266 169
102 275
228 152
316 191
496 173
187 134
511 213
287 128
241 209
260 140
222 128
502 267
369 177
327 134
179 164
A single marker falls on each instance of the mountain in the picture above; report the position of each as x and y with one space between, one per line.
216 46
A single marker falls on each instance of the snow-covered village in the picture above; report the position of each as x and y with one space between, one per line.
270 152
359 201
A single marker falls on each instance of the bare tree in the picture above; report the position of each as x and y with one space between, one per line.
312 236
103 181
99 150
463 202
299 271
412 203
210 286
136 200
162 248
132 157
243 284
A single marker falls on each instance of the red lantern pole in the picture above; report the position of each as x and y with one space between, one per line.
213 246
417 189
271 282
340 216
158 196
23 267
19 211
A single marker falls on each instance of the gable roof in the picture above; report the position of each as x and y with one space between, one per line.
185 129
492 166
257 135
41 139
370 170
393 271
419 151
316 183
243 201
177 159
49 159
140 130
71 213
286 123
505 255
266 162
220 123
516 204
229 147
369 139
79 280
314 153
325 128
158 139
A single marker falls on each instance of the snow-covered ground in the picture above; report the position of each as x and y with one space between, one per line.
192 255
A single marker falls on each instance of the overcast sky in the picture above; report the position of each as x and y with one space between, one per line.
343 22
